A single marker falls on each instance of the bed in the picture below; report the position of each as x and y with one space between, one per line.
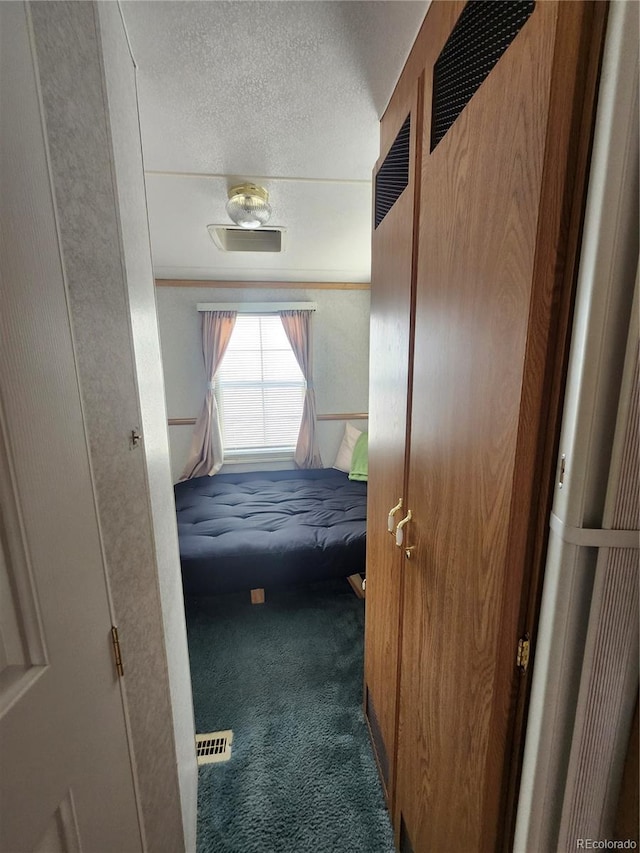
252 531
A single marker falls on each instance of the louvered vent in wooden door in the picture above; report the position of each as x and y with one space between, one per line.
393 175
482 34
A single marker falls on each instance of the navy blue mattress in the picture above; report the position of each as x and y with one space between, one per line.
245 531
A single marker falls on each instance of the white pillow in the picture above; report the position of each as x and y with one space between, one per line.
343 459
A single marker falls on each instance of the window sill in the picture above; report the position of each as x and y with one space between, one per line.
255 458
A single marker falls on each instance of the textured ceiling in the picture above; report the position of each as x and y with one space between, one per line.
288 93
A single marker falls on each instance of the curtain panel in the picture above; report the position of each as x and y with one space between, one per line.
297 325
206 453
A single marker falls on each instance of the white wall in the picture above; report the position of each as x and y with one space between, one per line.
340 353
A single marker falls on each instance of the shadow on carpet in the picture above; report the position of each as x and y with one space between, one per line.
286 676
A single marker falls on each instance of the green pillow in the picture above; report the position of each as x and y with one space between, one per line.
359 459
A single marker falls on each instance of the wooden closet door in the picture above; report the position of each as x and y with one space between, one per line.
495 193
391 304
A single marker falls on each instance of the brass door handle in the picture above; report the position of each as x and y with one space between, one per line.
400 529
392 512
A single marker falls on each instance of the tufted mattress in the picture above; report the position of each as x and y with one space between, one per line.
244 531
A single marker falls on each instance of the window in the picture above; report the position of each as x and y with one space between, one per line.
260 389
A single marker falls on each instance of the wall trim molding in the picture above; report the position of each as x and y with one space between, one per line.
334 416
272 285
344 416
160 173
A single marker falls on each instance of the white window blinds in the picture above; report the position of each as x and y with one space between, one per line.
259 388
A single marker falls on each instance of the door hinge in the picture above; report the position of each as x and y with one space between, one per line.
522 658
117 654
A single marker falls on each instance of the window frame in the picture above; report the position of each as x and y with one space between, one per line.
255 454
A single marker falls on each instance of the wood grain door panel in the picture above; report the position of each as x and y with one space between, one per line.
493 192
390 345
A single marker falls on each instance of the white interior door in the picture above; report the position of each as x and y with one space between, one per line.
66 782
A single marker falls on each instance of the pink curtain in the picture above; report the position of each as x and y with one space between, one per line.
206 452
297 325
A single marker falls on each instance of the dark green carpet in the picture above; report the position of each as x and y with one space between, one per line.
286 676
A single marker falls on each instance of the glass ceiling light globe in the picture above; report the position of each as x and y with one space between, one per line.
248 206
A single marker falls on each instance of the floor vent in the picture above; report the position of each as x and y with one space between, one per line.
213 747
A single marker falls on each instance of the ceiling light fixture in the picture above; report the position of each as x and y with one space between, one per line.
248 205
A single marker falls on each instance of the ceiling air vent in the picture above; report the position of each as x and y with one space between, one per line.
233 238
